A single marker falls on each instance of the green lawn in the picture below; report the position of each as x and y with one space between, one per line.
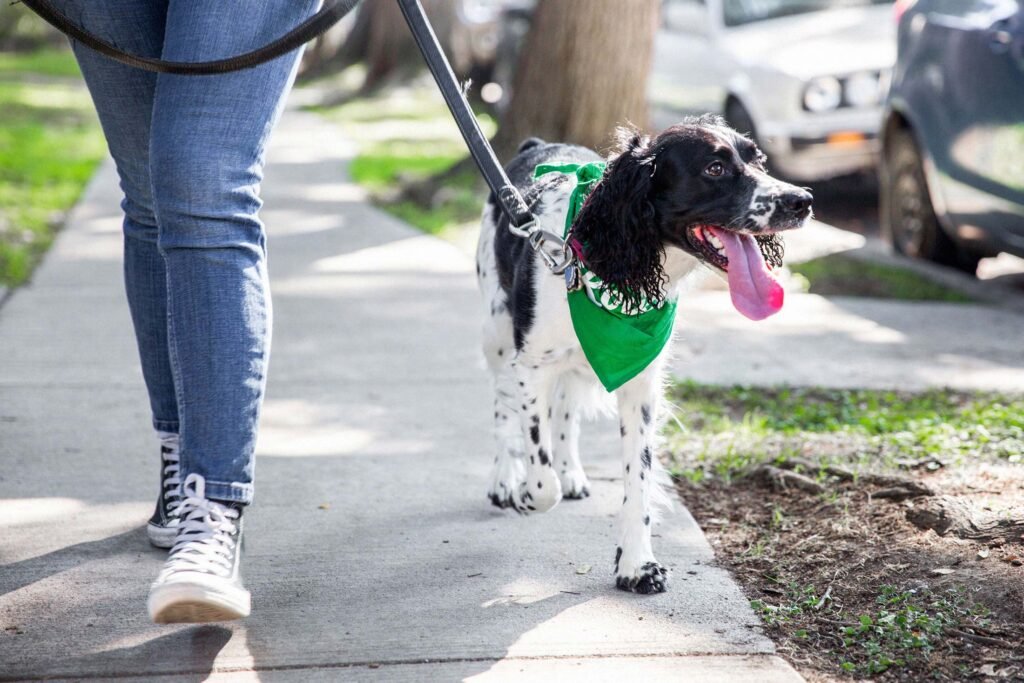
50 143
839 275
404 136
724 431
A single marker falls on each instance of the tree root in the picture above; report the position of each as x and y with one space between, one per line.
948 515
781 479
895 488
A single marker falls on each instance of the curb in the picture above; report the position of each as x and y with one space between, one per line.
877 251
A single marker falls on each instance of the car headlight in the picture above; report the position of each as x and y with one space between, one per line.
862 90
823 94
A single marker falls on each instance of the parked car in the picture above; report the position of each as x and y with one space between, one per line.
952 180
805 77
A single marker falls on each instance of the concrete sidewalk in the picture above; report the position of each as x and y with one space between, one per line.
373 552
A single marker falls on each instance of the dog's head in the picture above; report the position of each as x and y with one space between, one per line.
699 186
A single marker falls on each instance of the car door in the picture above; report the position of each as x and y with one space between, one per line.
687 74
978 80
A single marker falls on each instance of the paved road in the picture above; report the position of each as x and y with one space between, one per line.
374 554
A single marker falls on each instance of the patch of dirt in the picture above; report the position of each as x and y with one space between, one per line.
813 562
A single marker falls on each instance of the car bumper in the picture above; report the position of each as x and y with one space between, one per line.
822 147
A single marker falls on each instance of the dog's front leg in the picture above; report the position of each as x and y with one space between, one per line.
542 490
635 567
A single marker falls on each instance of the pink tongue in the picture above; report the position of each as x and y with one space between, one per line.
755 292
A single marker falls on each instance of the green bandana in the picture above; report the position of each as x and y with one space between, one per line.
619 342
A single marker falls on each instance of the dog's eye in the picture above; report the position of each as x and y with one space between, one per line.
715 169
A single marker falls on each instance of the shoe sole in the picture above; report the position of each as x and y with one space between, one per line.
192 604
161 536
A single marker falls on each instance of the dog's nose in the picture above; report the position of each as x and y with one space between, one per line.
798 202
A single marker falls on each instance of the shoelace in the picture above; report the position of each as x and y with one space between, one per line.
171 479
206 535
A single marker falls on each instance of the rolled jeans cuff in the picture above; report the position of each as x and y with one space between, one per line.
226 492
170 426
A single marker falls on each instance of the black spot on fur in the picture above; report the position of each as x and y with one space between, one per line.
645 458
561 437
543 456
540 484
647 520
627 469
645 413
622 428
535 419
535 434
501 352
515 261
618 556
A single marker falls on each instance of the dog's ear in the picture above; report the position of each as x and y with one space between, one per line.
618 227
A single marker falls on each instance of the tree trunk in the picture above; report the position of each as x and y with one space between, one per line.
582 71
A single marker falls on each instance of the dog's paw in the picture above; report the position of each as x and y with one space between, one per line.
574 484
539 493
506 479
650 577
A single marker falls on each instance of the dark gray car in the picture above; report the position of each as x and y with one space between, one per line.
952 175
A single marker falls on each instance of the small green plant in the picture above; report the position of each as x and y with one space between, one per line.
797 601
908 624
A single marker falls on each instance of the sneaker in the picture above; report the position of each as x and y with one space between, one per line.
200 581
162 528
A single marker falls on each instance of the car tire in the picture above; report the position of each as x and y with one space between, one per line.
909 222
737 116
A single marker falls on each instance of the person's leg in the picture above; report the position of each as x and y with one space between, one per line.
123 97
206 159
207 152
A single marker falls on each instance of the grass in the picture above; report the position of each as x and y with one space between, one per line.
50 143
838 275
722 431
407 136
907 625
45 62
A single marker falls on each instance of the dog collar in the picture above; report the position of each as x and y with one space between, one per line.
618 341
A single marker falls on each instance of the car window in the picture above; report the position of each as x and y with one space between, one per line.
739 12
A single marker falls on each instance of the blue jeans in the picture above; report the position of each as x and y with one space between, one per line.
189 151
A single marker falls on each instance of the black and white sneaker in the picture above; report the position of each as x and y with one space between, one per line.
162 528
200 581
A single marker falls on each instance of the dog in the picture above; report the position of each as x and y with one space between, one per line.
696 194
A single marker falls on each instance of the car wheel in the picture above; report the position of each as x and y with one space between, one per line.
909 222
737 116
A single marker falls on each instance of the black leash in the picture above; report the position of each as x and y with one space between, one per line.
330 14
548 245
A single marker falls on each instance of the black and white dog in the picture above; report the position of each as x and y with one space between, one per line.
696 194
